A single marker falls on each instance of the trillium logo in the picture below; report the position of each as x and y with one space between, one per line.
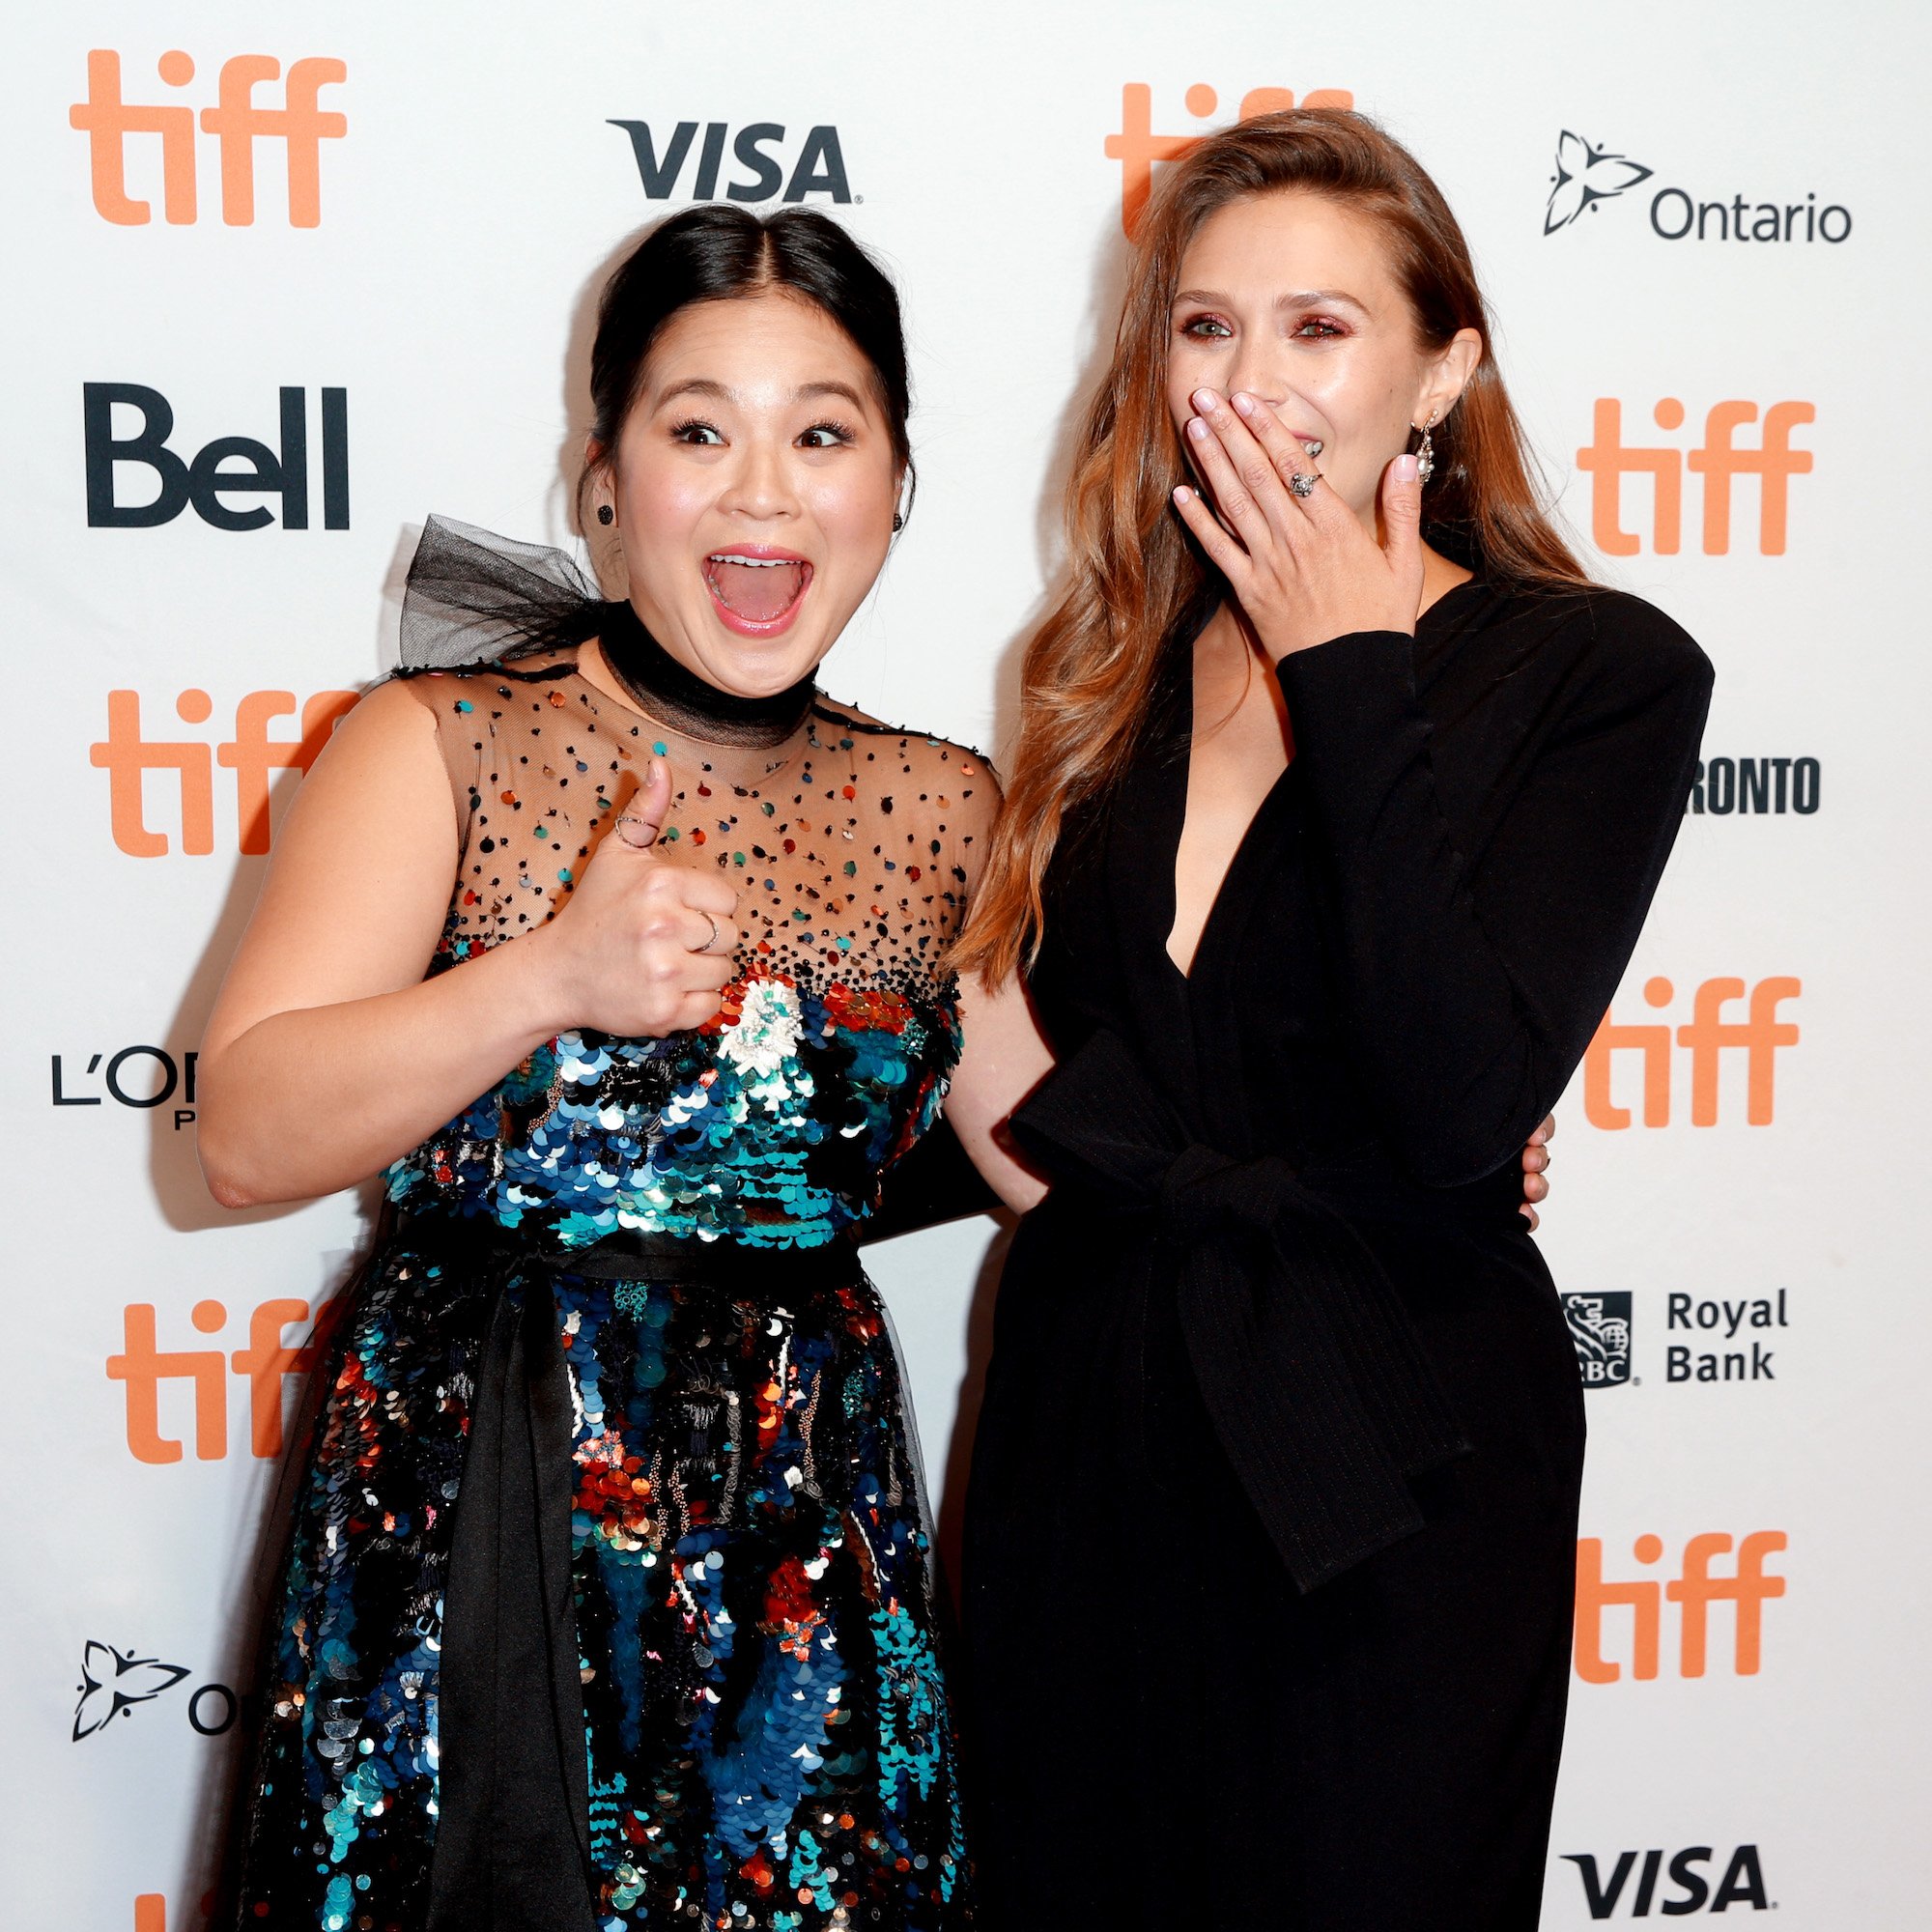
1584 177
112 1684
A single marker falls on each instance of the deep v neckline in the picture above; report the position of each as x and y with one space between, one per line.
1181 776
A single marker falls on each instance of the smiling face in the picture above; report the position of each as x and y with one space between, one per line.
1290 297
754 482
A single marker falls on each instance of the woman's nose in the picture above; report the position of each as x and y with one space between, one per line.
761 484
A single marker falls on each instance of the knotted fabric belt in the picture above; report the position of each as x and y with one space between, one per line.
513 1835
1307 1362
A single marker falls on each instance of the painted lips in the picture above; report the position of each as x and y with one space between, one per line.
756 590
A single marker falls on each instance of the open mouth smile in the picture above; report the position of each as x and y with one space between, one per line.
755 589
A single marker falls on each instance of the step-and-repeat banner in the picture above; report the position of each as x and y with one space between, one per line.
282 280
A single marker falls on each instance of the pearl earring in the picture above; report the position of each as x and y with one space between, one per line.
1425 455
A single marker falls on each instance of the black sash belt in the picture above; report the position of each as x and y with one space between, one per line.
513 1837
1308 1365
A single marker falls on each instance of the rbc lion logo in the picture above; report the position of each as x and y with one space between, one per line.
1600 1326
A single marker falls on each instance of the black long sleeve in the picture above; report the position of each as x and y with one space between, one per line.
934 1183
1493 812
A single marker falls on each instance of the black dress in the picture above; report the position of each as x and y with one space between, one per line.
1271 1538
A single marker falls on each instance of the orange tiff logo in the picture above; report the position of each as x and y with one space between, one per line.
1693 1590
1706 1036
268 1360
1609 460
251 754
1137 147
237 121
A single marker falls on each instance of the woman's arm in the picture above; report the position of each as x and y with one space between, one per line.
328 1054
1476 981
1006 1056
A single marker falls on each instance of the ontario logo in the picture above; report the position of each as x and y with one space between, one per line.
1599 1327
1586 176
113 1681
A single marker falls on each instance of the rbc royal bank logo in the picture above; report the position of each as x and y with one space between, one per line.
1599 1327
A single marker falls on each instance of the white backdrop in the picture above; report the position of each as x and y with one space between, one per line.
433 256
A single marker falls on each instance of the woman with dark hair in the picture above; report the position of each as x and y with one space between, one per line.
1340 797
619 952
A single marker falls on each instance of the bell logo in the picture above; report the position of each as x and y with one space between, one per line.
1608 461
1742 1884
237 121
202 481
266 1363
1137 147
127 757
819 169
1705 1036
1694 1591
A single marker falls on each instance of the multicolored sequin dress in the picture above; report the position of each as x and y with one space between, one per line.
613 1417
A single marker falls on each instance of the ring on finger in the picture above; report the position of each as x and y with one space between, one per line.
710 938
1302 484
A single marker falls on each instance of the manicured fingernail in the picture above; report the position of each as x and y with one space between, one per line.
1404 469
1206 401
651 772
1245 404
1197 428
1183 493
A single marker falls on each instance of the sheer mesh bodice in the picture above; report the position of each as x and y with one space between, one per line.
853 847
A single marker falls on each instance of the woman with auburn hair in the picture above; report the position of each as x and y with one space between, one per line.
1340 797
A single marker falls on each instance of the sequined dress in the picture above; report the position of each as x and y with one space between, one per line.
612 1421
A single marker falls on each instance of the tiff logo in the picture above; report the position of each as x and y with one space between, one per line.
266 1363
237 121
819 169
1608 461
1693 1590
202 481
1138 147
127 757
1706 1036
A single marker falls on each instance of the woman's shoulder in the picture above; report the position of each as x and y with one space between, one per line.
845 725
939 784
1614 637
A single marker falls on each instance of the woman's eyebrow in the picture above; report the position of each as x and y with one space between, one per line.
706 385
1294 298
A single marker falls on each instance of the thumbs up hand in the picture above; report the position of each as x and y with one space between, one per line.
644 944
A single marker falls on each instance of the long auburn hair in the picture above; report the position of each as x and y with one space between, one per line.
1090 671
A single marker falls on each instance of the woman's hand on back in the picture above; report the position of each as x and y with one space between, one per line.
1301 566
1536 1169
644 944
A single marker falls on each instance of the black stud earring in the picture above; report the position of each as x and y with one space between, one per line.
899 522
606 514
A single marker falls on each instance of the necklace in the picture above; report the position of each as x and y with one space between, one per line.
676 695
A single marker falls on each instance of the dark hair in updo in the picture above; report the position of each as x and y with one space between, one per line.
721 252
